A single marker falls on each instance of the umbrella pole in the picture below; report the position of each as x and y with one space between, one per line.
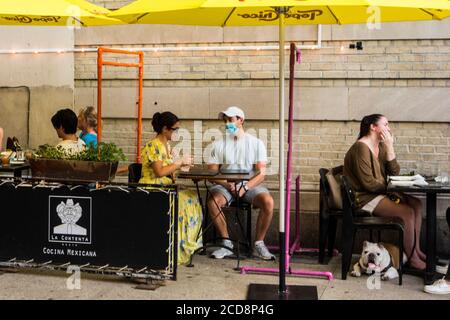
282 235
258 291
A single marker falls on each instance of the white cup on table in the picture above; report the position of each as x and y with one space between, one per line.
445 176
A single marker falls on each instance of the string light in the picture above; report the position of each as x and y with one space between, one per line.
318 45
177 48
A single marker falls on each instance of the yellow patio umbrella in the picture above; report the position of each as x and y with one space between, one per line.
281 13
53 13
263 12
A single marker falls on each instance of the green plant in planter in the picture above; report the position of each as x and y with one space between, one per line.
104 152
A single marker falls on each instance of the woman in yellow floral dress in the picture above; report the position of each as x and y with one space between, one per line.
158 167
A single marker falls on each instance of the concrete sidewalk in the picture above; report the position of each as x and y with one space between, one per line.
208 279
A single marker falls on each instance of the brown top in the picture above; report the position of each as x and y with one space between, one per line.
366 173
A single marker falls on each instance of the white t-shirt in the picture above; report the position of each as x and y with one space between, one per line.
72 147
240 153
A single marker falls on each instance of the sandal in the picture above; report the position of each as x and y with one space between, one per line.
408 269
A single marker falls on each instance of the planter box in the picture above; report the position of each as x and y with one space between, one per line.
73 170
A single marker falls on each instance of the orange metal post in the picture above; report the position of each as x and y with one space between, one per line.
120 64
140 66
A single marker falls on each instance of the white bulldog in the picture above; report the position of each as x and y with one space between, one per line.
378 258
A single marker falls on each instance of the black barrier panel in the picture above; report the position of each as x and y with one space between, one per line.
118 227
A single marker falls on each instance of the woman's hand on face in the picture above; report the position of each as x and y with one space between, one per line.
387 139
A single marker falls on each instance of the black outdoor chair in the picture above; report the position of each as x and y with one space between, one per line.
328 216
233 211
448 216
330 212
352 222
134 172
247 208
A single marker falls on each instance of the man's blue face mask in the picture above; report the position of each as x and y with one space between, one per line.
231 128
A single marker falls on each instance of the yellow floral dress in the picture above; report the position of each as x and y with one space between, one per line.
189 210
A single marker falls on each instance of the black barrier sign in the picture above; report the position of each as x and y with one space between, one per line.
123 227
70 219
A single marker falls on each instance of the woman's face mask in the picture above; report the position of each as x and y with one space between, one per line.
231 128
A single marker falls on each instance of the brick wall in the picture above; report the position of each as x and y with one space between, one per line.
404 61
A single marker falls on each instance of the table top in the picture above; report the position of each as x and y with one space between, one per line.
14 167
432 187
220 176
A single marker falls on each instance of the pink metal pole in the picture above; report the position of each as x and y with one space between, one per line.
296 244
287 213
293 55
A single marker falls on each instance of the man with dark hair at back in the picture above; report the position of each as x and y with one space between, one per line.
65 123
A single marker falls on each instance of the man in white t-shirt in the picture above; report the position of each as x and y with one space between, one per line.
65 123
242 151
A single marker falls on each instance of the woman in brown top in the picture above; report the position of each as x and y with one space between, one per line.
367 164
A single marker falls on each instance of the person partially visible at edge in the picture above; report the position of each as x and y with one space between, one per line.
87 123
239 150
1 138
367 164
158 167
65 123
441 286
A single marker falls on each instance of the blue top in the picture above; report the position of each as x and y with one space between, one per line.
89 138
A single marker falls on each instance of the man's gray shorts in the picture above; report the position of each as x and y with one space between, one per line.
248 197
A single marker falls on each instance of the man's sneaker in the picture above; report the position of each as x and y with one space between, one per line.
223 252
438 287
260 250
